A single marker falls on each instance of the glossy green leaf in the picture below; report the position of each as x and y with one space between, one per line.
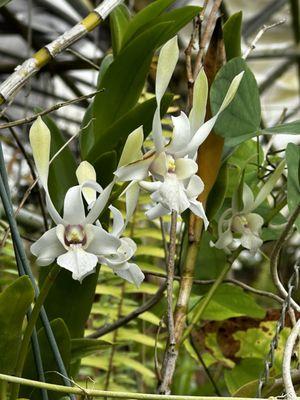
231 301
293 184
119 20
145 17
4 2
70 300
115 136
62 338
62 169
217 194
14 303
104 166
232 31
244 372
243 115
125 78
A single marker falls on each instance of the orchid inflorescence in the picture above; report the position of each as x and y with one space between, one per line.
78 242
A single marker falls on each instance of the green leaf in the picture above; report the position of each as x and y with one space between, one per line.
232 31
245 372
62 169
231 301
14 303
70 300
104 166
84 347
116 135
293 184
125 78
243 115
290 128
145 17
62 338
119 20
216 196
255 342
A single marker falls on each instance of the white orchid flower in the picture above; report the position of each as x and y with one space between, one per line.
242 226
75 242
173 164
123 249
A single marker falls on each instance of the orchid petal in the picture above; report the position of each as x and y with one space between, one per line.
103 243
255 222
167 60
150 186
185 168
132 274
73 206
157 211
52 210
206 128
86 172
47 248
118 222
98 205
137 170
132 148
197 208
225 239
159 166
195 187
200 94
251 241
248 199
181 134
40 138
132 197
79 262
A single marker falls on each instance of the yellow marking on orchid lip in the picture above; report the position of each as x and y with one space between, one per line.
42 57
91 21
171 165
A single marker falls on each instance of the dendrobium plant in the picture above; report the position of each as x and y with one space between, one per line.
175 185
124 249
76 243
240 226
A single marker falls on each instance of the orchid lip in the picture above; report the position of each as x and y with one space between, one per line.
74 235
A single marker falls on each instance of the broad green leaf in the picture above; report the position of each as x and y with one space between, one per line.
86 137
244 372
125 78
130 334
84 347
243 114
15 301
217 194
211 342
255 342
145 17
62 338
119 20
115 136
62 169
293 184
231 301
70 300
232 31
104 166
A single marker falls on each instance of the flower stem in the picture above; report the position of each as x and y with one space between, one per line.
30 327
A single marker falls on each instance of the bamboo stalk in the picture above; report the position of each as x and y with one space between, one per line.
10 87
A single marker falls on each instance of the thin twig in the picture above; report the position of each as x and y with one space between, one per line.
56 107
82 57
264 29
